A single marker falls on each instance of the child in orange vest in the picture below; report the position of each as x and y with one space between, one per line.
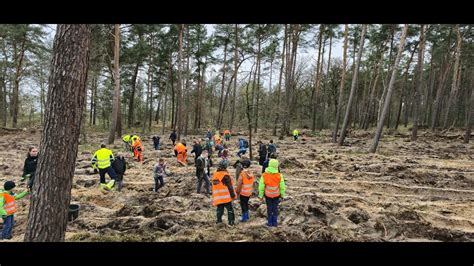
8 207
244 189
272 185
223 192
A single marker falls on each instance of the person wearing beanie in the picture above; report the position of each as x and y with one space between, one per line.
272 185
8 207
244 189
223 192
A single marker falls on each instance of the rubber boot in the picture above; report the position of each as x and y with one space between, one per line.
269 221
231 218
275 221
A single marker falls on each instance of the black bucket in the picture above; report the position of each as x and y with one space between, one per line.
73 212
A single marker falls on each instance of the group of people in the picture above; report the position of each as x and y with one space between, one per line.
8 196
220 187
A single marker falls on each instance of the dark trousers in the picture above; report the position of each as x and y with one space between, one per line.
272 206
230 212
173 140
202 176
261 160
295 137
227 138
241 152
244 203
31 181
7 227
156 145
110 171
158 179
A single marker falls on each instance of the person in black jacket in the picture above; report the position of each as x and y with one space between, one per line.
173 136
156 142
197 150
262 153
29 168
120 166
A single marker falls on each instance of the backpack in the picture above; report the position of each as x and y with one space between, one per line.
246 143
119 165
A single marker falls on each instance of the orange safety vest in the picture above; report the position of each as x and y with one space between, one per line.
9 205
220 192
180 148
247 184
137 143
272 184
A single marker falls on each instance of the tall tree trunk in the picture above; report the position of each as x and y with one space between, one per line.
47 217
116 106
187 81
180 82
439 92
257 87
132 96
341 87
419 84
470 117
318 78
380 123
279 106
221 100
234 93
455 82
429 88
18 76
249 113
353 87
404 91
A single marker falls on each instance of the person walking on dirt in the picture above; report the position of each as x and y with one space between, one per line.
173 136
208 146
120 166
272 185
295 134
102 160
197 150
8 207
271 148
159 172
223 193
201 166
219 149
243 145
209 134
29 167
217 138
262 152
137 148
156 142
227 135
180 152
244 190
238 165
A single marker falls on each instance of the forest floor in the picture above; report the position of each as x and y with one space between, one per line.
407 191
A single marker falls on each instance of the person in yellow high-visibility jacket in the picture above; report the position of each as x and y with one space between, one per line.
296 133
102 160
